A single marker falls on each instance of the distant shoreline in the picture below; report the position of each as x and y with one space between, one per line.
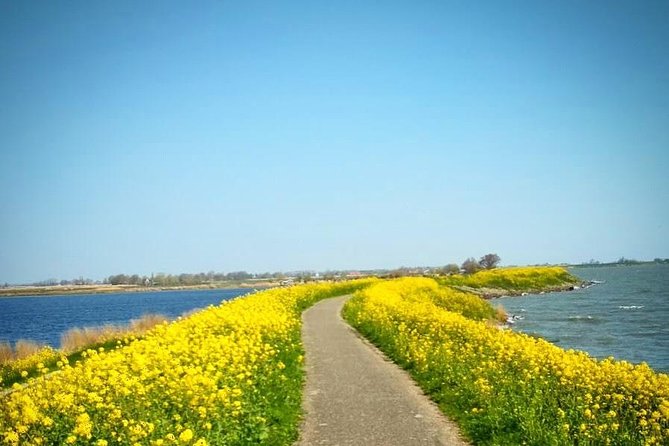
54 290
621 264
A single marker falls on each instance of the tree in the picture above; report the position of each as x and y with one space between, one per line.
470 266
449 269
239 275
489 261
118 279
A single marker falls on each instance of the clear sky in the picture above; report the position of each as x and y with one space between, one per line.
174 137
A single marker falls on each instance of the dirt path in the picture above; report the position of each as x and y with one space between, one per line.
354 396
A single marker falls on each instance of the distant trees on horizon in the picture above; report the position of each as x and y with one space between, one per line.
469 266
623 261
184 279
488 261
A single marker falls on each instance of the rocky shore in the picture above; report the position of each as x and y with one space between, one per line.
493 293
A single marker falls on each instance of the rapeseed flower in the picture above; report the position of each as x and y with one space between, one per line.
523 389
214 377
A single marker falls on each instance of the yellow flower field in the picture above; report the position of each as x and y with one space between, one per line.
515 279
229 374
506 388
232 374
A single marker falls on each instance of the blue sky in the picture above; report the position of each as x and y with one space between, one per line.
145 137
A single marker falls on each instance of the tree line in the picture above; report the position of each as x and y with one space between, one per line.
161 279
469 266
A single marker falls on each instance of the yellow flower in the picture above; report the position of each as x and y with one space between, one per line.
440 333
186 436
83 425
11 437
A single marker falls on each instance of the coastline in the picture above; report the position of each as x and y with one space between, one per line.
494 293
58 290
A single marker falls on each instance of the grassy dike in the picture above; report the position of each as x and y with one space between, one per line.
506 388
513 281
230 374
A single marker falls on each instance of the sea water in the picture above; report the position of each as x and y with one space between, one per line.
626 316
44 318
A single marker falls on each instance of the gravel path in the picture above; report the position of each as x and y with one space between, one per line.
354 396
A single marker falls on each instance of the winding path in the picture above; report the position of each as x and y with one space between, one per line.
354 396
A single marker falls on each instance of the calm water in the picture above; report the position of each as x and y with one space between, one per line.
45 318
626 317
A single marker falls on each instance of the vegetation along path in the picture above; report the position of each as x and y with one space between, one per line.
354 396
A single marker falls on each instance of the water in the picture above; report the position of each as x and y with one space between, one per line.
626 317
45 318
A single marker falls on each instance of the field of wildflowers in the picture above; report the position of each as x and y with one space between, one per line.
29 359
230 374
506 388
17 370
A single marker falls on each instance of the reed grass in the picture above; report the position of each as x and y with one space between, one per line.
28 359
77 338
23 348
6 352
147 322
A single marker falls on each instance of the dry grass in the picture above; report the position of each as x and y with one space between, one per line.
501 314
146 323
22 349
79 338
6 352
